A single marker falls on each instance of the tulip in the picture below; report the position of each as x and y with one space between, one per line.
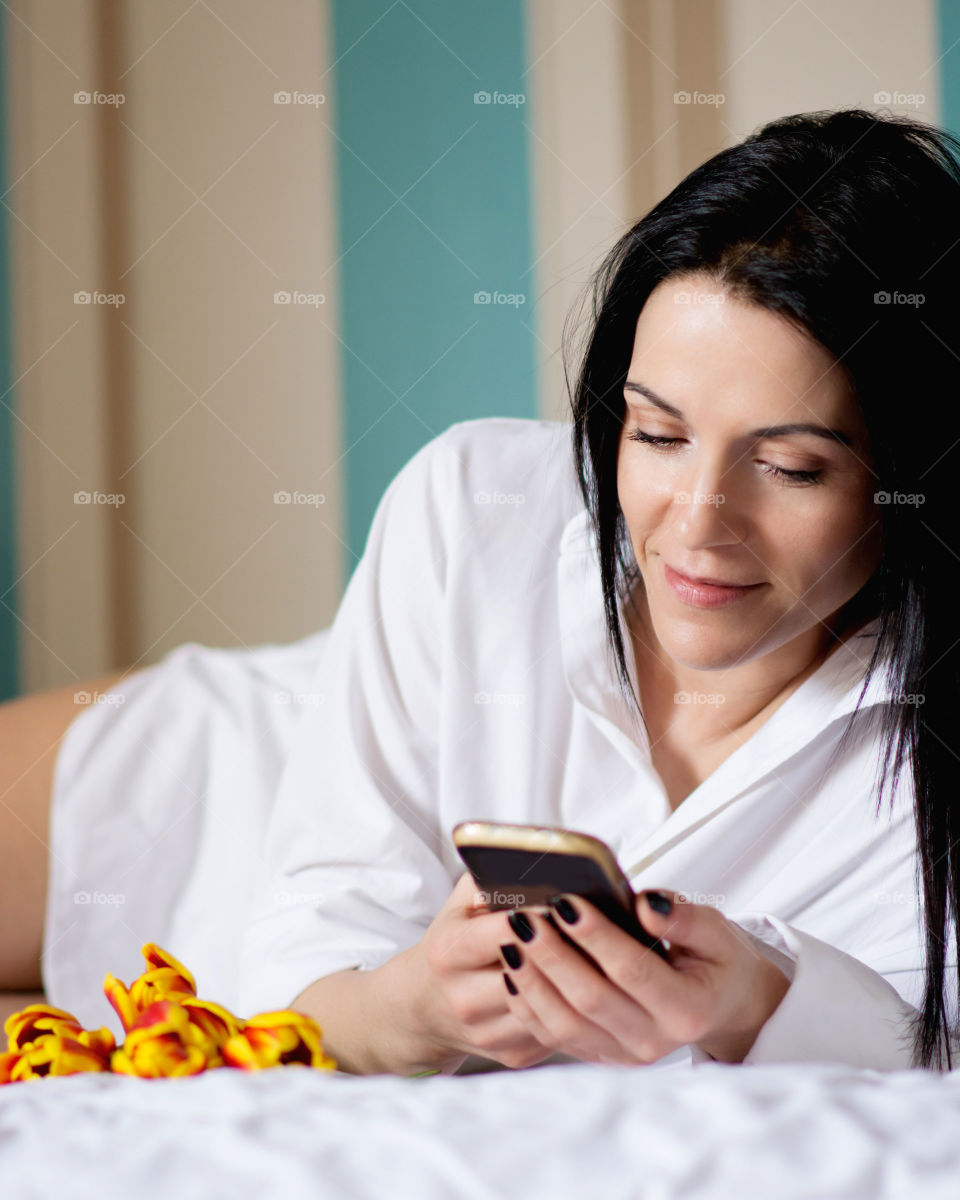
43 1040
274 1039
169 1032
164 1042
165 976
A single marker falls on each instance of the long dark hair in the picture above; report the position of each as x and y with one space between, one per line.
830 219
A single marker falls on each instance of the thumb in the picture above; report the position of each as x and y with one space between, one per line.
468 895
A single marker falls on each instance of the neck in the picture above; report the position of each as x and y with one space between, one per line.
741 695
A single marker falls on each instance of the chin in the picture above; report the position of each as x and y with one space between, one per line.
691 645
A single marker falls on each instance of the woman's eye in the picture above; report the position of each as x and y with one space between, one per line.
639 436
662 443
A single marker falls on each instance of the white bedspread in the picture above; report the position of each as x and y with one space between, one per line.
583 1130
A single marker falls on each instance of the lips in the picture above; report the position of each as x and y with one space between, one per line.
710 582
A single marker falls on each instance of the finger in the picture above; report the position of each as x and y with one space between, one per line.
507 1034
471 941
672 1000
581 1010
697 929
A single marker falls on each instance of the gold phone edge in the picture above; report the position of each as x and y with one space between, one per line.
543 838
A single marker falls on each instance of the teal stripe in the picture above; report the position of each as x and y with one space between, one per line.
420 353
948 16
9 640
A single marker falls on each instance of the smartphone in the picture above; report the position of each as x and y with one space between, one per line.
518 866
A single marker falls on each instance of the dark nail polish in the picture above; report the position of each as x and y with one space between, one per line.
521 927
511 986
658 902
511 955
565 910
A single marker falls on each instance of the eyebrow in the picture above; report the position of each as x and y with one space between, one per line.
771 431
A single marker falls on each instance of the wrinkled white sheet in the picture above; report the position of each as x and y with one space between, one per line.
577 1130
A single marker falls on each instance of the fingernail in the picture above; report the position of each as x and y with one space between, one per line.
521 927
658 902
565 909
511 986
511 955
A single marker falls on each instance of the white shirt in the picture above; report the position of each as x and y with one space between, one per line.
467 676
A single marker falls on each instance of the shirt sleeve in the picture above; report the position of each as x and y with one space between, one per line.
351 872
837 1009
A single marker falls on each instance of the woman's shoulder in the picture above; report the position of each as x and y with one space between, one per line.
509 464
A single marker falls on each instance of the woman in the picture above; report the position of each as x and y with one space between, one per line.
525 639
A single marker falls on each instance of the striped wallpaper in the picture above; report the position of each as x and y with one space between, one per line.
466 169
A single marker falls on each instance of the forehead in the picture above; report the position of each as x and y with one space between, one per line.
694 341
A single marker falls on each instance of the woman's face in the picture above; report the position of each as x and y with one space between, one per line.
711 504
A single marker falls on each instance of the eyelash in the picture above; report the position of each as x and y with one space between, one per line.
662 443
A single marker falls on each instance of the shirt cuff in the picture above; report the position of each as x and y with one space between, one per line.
835 1010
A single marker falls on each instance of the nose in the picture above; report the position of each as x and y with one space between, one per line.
710 512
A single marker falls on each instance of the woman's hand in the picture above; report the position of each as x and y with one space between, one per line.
715 992
447 991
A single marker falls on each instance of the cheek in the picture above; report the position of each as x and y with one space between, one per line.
830 549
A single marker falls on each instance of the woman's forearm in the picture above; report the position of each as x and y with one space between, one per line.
370 1022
